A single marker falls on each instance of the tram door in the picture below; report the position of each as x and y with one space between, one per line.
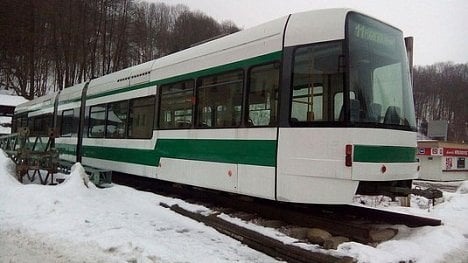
310 139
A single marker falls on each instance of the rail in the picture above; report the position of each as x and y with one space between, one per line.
260 242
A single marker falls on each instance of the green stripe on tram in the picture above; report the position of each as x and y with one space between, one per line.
254 152
384 154
250 152
124 155
64 148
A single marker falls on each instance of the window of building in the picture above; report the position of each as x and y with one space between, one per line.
220 100
97 121
176 105
263 95
461 163
140 118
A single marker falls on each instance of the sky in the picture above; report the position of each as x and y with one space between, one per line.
440 28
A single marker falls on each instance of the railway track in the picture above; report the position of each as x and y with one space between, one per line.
257 241
446 186
360 224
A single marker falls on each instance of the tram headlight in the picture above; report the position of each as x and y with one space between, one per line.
349 155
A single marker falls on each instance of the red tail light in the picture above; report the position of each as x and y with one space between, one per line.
349 155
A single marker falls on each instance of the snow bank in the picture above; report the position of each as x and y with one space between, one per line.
446 243
78 179
7 171
70 222
463 188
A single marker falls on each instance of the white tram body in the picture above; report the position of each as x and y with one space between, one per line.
309 108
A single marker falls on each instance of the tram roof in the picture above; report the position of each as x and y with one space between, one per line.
267 38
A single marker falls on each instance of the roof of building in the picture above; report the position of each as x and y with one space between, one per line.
11 100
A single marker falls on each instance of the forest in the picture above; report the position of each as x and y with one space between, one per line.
47 45
441 93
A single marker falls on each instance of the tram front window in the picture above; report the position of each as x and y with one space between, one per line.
379 74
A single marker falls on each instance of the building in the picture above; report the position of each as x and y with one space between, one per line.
7 108
442 161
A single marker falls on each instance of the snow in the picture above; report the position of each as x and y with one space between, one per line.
70 222
11 100
446 243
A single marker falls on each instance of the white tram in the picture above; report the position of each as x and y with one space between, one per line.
313 107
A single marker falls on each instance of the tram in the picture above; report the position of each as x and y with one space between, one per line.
313 107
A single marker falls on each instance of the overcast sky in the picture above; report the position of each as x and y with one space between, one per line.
440 27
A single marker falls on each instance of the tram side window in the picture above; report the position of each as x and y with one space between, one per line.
263 92
140 118
30 124
39 125
176 105
14 124
24 122
116 121
97 121
68 124
220 100
19 121
317 75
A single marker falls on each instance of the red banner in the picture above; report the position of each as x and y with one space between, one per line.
455 152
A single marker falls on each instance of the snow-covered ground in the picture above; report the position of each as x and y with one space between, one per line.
74 223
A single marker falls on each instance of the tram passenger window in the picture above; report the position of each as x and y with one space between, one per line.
317 75
40 125
24 122
140 118
176 105
220 100
97 121
14 124
68 125
116 121
19 121
263 92
30 124
37 126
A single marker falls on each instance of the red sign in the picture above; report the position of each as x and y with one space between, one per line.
455 152
424 151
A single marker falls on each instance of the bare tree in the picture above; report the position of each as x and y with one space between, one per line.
53 44
440 93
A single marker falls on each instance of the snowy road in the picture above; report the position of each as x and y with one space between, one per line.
21 247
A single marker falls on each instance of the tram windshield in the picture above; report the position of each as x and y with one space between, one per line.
379 79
